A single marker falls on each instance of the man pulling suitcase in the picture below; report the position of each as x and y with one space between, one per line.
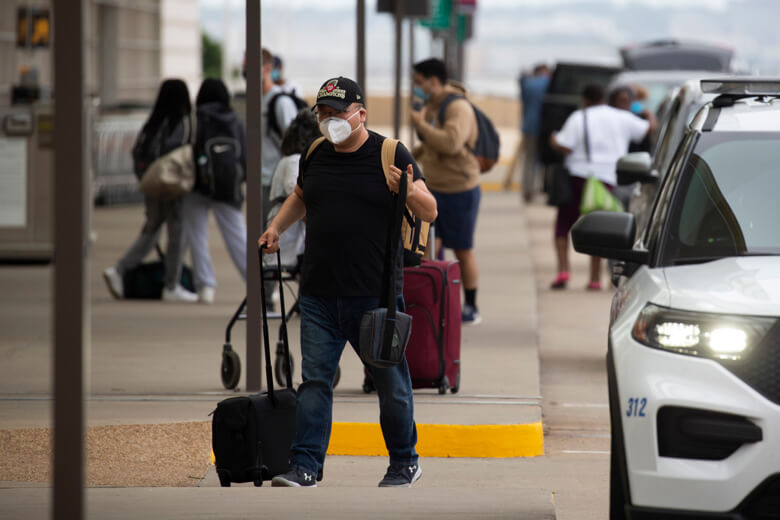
343 193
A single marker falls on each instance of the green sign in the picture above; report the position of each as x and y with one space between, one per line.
441 12
461 28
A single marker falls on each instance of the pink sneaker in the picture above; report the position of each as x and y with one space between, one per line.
560 280
594 286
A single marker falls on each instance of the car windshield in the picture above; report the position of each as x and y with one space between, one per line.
727 203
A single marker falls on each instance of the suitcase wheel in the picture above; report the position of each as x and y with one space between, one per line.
280 370
444 385
231 367
258 483
455 388
224 478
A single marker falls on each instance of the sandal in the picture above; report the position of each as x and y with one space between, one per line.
560 280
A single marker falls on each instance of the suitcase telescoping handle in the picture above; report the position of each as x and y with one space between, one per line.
264 314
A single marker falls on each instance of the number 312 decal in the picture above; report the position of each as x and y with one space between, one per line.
636 407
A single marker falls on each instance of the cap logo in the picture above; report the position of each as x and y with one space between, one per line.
331 90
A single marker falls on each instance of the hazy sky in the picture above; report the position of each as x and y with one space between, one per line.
317 39
330 4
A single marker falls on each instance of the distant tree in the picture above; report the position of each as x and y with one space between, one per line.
211 57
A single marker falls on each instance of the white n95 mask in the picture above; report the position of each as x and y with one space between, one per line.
337 130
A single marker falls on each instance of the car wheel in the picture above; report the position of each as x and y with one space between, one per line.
617 499
619 491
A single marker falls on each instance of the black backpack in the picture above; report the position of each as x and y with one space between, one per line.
219 154
488 142
273 124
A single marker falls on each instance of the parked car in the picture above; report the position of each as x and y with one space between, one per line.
693 353
564 97
672 54
674 115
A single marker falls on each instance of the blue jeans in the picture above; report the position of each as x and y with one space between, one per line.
327 323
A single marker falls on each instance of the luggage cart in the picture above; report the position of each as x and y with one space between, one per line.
231 362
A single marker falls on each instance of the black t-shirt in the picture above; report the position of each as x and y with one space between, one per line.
348 206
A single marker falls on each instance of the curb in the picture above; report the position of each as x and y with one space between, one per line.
444 440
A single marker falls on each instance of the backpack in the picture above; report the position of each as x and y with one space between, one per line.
414 230
273 124
218 156
488 141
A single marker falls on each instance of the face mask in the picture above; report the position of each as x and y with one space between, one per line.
420 93
337 130
275 75
636 107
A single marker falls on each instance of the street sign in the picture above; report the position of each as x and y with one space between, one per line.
441 12
464 28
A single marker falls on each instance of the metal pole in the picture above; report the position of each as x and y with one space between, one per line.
411 77
399 18
71 249
226 24
361 45
254 203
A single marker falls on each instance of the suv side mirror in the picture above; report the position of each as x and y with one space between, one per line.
635 167
609 235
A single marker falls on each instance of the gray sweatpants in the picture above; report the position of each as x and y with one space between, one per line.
231 225
158 212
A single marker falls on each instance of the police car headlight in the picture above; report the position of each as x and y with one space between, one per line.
719 336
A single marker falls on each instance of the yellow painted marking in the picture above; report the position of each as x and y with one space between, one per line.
444 440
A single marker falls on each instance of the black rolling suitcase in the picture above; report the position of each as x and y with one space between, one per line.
251 435
146 281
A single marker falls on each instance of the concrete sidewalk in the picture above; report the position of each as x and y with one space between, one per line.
153 365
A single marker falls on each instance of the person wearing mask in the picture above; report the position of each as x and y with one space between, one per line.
213 108
592 139
277 75
532 90
625 97
169 126
284 111
346 199
451 169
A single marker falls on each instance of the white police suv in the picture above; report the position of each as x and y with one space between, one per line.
693 356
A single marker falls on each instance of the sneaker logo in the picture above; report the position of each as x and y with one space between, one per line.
307 476
412 469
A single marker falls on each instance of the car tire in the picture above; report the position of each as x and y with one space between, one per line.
619 491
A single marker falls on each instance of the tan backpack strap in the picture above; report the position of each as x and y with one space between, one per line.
313 146
388 155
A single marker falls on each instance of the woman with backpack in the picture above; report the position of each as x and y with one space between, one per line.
169 126
220 164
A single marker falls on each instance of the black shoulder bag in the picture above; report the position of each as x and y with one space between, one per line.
560 193
384 332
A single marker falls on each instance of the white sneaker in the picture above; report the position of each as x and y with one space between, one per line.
206 295
114 283
178 294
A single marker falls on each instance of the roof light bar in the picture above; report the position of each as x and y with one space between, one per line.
742 86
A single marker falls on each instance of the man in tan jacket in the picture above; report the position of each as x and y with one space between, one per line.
447 127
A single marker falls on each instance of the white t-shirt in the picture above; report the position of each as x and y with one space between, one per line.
284 180
285 112
610 131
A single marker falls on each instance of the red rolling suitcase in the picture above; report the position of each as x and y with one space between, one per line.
432 297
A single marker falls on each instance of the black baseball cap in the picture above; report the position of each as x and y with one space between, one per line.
339 93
